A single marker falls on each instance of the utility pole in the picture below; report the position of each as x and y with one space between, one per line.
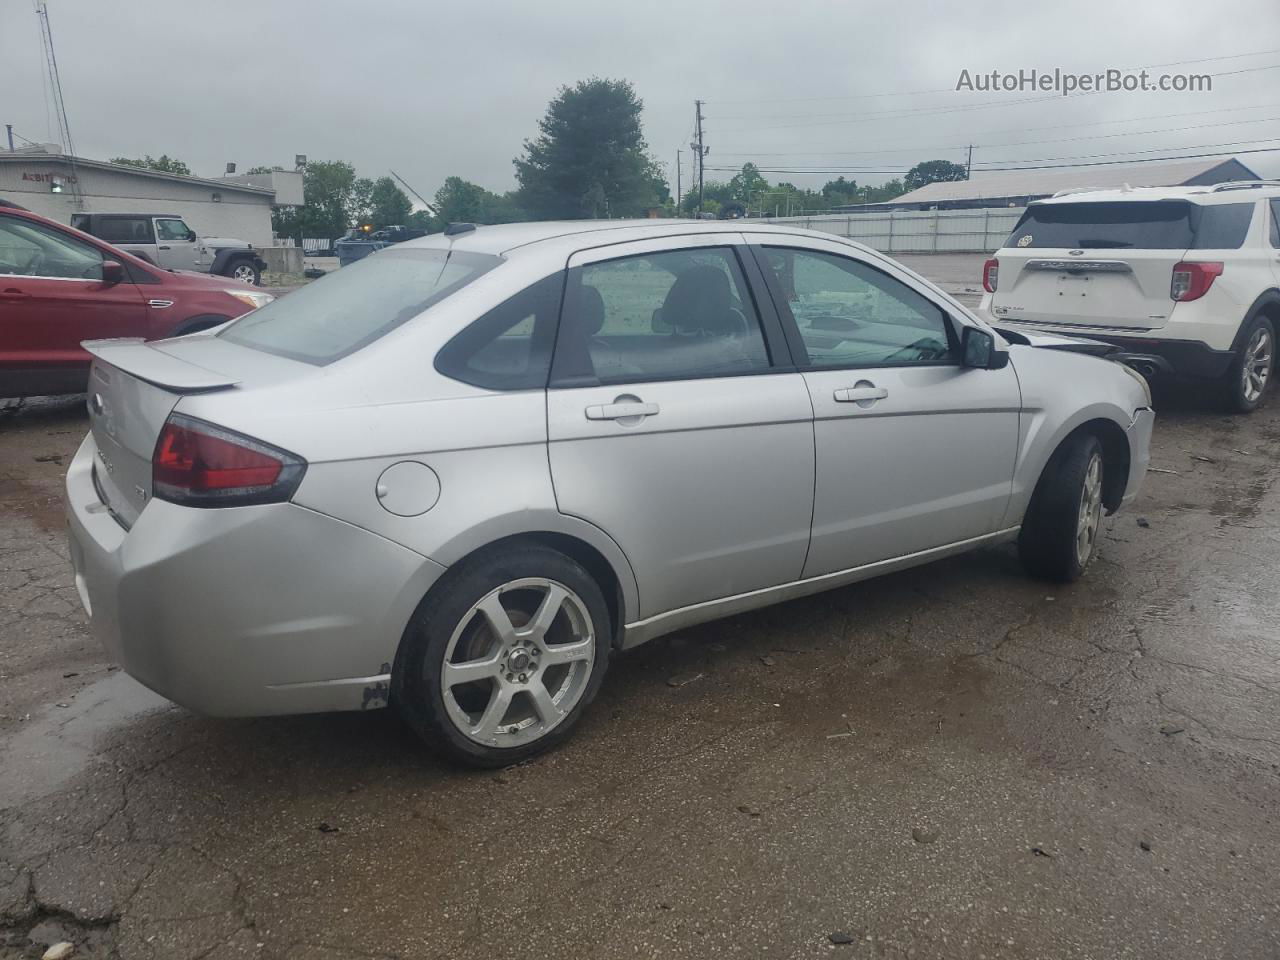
969 165
702 151
679 195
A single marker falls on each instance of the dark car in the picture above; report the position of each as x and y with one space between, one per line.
59 286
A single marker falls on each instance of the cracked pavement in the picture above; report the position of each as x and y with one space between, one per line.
1088 771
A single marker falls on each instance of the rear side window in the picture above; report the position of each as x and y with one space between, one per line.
670 315
122 229
509 348
1140 224
344 311
1275 223
1222 226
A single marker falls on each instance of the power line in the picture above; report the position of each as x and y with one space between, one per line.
921 93
1046 166
1017 143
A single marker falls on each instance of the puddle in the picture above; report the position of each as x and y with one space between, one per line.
52 747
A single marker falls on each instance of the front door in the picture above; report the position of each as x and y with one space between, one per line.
914 451
51 298
676 424
176 246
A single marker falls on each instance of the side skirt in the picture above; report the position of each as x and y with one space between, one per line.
642 631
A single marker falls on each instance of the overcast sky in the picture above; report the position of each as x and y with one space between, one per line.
433 89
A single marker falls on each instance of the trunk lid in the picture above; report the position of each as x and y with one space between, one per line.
133 387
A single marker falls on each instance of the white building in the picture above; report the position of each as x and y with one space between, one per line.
57 185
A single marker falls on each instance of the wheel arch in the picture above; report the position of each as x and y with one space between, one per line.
1267 305
197 323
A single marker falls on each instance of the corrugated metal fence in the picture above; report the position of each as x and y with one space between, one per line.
917 231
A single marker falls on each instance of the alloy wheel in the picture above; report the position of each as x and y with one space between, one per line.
1089 518
518 662
1256 369
243 272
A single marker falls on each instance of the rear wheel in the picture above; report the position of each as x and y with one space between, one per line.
1060 531
1249 376
500 661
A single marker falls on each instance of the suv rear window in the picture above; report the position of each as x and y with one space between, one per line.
1140 224
1136 224
338 314
118 229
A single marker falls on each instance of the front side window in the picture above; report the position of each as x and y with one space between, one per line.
124 230
352 307
509 348
660 316
33 250
852 315
171 230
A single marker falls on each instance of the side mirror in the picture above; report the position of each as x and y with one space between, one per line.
112 272
978 350
191 235
658 324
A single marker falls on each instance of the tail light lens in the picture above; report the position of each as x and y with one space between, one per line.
1191 281
990 275
199 465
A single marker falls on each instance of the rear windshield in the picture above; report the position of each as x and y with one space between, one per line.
1137 224
344 311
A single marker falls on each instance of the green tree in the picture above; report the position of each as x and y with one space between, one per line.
886 191
747 183
329 202
390 204
165 164
460 201
934 171
590 158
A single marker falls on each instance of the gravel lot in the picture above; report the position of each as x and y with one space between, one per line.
952 762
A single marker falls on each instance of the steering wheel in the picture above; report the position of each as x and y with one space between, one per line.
926 348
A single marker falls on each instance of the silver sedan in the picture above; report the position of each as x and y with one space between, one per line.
460 474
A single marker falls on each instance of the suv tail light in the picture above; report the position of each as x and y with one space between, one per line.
990 275
199 465
1191 281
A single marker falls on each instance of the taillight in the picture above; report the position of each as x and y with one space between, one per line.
1191 281
200 465
990 275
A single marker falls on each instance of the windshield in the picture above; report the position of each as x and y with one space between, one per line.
1140 224
344 311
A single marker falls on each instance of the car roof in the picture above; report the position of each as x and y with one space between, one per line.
1243 192
503 239
115 214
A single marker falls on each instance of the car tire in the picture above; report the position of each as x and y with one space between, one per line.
244 270
1250 373
1060 531
488 693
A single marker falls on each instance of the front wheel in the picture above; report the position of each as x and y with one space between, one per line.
246 271
500 661
1060 531
1250 372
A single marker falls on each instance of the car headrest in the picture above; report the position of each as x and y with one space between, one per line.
591 311
700 302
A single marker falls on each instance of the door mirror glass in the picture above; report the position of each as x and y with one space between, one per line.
978 350
191 235
112 272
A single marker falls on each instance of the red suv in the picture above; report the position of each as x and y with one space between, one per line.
59 286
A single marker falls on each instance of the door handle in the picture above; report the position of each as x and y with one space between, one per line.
14 294
162 248
621 411
863 393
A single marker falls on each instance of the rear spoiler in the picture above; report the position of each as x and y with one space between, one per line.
148 362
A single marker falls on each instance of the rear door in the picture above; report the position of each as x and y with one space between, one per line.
176 248
134 235
1094 264
52 297
677 423
914 451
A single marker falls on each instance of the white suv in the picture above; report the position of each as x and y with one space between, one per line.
1184 280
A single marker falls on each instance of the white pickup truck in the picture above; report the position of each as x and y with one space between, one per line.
166 240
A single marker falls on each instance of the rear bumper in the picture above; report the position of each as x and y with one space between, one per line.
1139 433
1184 358
243 611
